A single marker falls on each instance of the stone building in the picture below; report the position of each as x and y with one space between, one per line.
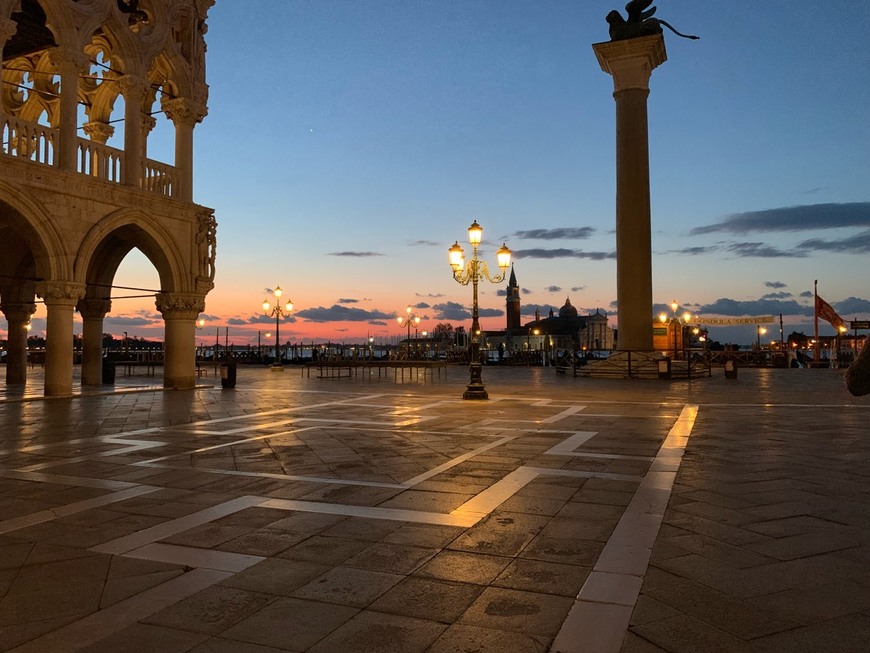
72 205
565 330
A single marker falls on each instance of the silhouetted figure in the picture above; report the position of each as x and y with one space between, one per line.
640 22
858 374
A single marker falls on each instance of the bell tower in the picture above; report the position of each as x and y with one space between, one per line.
512 308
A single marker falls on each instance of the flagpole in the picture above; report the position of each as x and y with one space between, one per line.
816 349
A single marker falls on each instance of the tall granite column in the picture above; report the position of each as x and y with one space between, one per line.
60 300
17 318
631 62
179 356
93 311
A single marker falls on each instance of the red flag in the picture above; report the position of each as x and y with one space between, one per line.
825 311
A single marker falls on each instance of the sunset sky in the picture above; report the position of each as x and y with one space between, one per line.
349 144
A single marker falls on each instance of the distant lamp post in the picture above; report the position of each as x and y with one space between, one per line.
677 323
277 312
472 272
408 321
760 331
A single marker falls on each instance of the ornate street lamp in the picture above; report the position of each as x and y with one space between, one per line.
472 272
277 312
408 321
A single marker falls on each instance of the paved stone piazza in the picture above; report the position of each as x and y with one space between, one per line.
373 514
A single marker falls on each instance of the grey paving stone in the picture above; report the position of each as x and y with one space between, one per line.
518 611
372 632
428 598
210 611
142 638
348 586
462 638
290 620
466 567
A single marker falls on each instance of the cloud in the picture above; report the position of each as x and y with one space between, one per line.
808 294
695 251
377 323
762 250
355 254
858 244
426 243
258 319
578 288
431 294
562 233
852 306
344 300
422 305
122 321
777 295
451 311
792 218
774 284
735 308
553 289
562 253
337 313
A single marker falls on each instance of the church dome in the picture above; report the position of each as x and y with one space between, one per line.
567 310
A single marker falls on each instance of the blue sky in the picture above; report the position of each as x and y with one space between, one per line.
350 143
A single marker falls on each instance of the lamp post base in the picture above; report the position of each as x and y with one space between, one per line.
475 392
475 388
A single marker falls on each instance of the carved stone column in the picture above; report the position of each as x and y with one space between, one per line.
92 311
133 88
184 114
17 317
179 311
631 62
69 63
60 300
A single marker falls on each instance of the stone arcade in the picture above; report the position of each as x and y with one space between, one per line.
72 207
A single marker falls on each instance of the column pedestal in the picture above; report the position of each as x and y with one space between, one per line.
631 63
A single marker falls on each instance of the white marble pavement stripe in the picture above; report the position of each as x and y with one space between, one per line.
61 479
395 514
599 619
194 557
499 492
459 459
72 508
147 536
103 623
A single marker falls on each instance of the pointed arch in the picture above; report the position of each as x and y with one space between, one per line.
111 239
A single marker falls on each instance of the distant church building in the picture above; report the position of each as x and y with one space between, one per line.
565 330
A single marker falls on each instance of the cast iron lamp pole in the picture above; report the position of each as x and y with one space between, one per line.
411 319
472 273
277 312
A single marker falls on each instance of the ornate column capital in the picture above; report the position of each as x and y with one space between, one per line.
148 124
180 306
183 111
99 132
631 61
132 84
60 292
93 308
18 312
68 59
